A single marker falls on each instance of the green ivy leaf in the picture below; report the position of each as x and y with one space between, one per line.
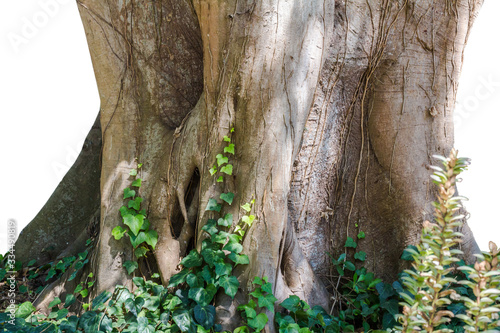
193 259
25 309
223 268
361 235
235 238
205 315
267 301
145 226
138 240
407 255
178 278
126 211
239 230
388 322
350 243
212 205
227 169
248 219
140 252
210 227
133 172
226 221
259 322
69 325
70 299
220 238
89 321
239 259
292 303
200 296
227 139
78 288
50 274
130 306
220 179
385 291
151 238
350 266
128 193
391 305
221 159
118 232
55 301
84 292
211 256
213 170
241 329
130 266
230 285
227 197
62 313
137 182
206 274
247 207
171 303
106 324
232 246
258 281
229 149
83 255
183 320
135 204
249 309
134 222
102 298
267 287
361 256
193 281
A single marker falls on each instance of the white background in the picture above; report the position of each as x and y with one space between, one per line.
49 100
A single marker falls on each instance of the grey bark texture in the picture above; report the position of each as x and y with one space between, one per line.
337 107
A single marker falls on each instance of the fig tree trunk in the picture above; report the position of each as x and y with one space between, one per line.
337 108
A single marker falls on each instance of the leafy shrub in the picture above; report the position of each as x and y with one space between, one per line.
438 294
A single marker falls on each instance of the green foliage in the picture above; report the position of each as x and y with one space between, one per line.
136 225
261 297
187 303
361 299
431 291
434 295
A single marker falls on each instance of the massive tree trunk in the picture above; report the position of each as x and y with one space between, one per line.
337 108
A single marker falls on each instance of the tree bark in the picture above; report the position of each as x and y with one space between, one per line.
337 107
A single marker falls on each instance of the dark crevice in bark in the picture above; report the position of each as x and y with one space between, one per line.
189 215
187 223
